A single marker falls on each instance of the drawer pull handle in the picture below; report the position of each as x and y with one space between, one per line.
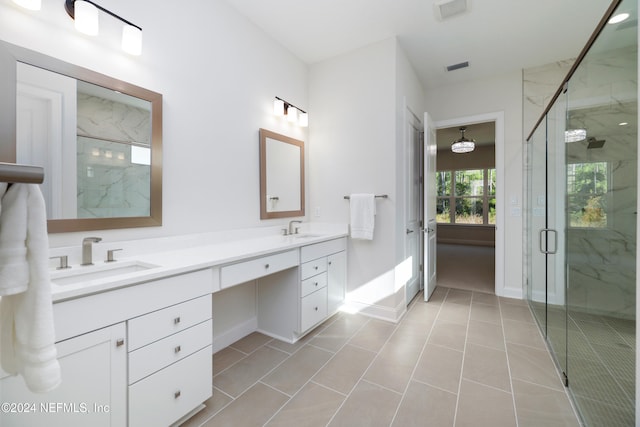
329 262
177 349
266 266
316 283
120 342
176 320
315 267
176 394
316 308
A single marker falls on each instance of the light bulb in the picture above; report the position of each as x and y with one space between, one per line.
86 18
132 40
292 114
303 120
278 107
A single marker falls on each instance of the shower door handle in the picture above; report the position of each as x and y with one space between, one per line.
555 241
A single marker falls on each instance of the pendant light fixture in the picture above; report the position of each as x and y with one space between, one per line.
463 145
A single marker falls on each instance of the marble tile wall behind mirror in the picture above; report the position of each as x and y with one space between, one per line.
113 150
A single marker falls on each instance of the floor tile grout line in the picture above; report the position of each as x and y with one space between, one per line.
464 353
424 346
433 386
311 381
319 369
506 350
397 325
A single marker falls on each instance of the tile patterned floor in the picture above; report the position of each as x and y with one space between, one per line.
464 359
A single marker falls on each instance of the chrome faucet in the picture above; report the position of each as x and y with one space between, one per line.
291 226
87 255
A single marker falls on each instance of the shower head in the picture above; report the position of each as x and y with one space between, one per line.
595 143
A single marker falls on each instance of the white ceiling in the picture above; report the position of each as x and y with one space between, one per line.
495 36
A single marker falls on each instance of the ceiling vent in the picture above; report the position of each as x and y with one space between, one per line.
453 67
448 8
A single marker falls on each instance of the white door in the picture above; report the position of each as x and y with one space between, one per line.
413 208
430 152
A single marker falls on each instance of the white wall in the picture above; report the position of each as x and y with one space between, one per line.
357 101
502 93
218 74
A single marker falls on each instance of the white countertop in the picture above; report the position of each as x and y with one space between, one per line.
183 260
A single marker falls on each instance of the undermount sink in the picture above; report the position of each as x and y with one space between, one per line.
94 272
305 235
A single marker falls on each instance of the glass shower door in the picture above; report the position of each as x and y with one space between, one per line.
555 232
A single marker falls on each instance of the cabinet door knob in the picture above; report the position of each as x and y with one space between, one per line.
315 267
176 394
176 320
316 284
329 262
316 309
177 349
266 266
119 342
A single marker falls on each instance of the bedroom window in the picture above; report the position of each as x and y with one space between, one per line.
466 196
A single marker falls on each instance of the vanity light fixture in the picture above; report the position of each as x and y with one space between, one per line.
463 145
294 114
29 4
86 16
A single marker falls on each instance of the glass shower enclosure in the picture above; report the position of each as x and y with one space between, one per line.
581 180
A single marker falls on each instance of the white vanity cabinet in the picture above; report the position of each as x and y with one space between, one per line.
169 362
139 355
93 390
291 302
323 272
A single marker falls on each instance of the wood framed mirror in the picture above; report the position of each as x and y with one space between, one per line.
99 140
281 176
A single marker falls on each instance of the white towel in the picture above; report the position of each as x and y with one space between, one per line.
26 311
363 210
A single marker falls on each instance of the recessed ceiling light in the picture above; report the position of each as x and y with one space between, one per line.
623 124
618 18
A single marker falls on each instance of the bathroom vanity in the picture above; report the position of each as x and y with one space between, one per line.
135 345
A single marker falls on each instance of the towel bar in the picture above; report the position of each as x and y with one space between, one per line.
377 196
14 173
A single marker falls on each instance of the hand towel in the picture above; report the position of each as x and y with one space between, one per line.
363 210
26 310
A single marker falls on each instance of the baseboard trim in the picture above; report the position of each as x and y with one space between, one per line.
227 338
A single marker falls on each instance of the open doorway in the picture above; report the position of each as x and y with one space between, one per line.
466 208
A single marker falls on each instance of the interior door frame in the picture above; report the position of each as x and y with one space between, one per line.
498 118
412 120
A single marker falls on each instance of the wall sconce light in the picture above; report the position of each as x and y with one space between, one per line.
293 113
85 13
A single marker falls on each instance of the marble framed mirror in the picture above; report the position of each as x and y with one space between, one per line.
281 176
99 140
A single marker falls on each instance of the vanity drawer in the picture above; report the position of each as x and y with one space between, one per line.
313 284
166 396
241 272
313 309
314 267
317 250
151 327
155 356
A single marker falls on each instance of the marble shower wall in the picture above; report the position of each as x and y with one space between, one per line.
602 93
602 262
109 183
